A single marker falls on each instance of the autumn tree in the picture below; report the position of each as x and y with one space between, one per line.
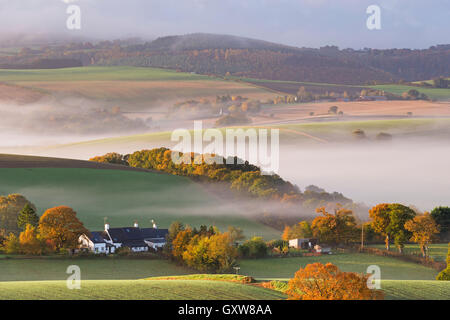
112 157
326 282
61 226
442 217
11 244
29 241
336 228
389 220
27 216
214 253
10 208
300 230
180 242
424 229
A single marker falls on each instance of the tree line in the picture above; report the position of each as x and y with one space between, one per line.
22 231
395 223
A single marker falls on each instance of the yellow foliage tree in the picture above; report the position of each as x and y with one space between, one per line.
424 230
11 244
29 241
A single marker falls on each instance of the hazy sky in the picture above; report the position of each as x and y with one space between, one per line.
309 23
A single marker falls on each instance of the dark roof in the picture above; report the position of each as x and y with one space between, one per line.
130 234
97 237
152 233
134 243
125 234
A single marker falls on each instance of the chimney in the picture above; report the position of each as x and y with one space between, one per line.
136 224
154 224
106 226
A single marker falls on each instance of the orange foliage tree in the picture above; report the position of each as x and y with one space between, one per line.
326 282
424 230
61 226
339 227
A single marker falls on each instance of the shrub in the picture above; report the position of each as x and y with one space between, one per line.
359 134
445 274
253 248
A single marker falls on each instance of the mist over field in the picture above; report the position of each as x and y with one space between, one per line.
62 121
408 172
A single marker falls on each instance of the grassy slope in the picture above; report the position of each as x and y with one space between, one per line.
91 269
107 278
282 268
332 131
286 267
416 290
96 74
131 88
123 197
434 93
438 251
137 289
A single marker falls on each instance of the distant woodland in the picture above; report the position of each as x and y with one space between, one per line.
234 56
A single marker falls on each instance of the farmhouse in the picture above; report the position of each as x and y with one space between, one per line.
135 238
302 243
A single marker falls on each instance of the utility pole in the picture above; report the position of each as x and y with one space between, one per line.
362 235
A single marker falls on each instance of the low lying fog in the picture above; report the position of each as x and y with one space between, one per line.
410 171
62 120
413 173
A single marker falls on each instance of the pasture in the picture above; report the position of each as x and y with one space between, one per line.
301 133
109 278
125 196
97 268
131 88
110 268
438 251
284 268
416 290
136 290
433 93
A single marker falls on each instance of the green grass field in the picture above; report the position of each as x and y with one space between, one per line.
125 197
399 127
91 269
433 93
136 290
261 269
438 251
284 268
131 88
416 290
330 131
109 278
97 74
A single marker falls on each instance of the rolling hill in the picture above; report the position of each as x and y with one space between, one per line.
124 195
136 290
244 57
130 88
